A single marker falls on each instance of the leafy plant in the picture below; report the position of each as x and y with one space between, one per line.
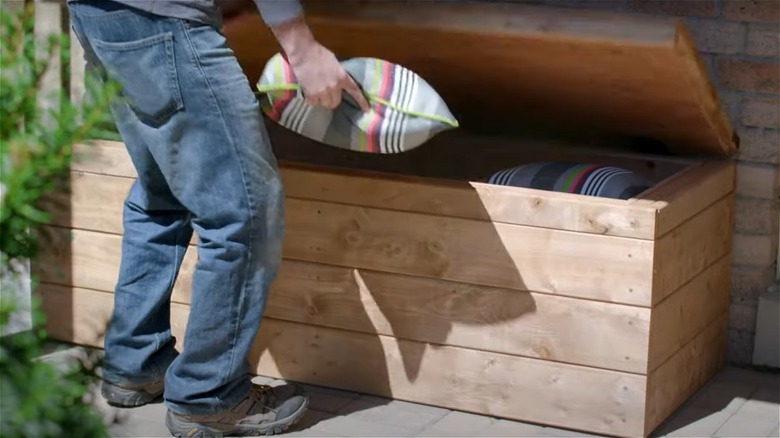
37 399
36 144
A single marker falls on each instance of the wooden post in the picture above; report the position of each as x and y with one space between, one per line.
77 69
49 18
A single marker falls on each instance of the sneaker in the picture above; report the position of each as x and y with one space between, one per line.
131 396
266 410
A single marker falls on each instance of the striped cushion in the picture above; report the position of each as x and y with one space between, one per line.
584 179
405 110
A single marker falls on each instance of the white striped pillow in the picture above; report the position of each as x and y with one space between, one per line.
405 110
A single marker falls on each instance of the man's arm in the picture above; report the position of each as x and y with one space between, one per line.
318 71
275 12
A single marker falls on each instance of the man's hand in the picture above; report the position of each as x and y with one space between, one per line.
319 73
322 77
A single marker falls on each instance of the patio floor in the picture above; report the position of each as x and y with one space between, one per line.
735 403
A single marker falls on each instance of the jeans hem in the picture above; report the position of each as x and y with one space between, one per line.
221 405
117 380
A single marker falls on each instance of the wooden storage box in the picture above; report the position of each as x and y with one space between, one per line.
405 276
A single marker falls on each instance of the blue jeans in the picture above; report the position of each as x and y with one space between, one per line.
193 129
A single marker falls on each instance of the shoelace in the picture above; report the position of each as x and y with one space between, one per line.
262 395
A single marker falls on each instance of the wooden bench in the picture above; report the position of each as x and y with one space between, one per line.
407 276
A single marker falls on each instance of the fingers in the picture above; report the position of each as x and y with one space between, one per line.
330 98
351 87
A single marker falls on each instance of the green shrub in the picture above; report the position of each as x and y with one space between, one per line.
36 399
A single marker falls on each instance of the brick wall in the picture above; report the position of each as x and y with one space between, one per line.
739 41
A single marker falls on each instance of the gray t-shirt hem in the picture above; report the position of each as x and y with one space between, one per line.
207 11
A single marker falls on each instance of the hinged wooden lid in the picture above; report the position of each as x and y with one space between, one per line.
507 65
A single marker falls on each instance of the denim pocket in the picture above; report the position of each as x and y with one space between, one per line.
146 71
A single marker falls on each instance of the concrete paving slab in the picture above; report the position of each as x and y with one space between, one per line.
763 404
440 433
693 422
458 424
330 403
742 425
506 428
307 423
311 433
556 432
727 396
394 412
144 421
353 426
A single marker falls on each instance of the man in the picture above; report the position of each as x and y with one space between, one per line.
192 127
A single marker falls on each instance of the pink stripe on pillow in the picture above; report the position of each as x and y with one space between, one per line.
373 132
277 109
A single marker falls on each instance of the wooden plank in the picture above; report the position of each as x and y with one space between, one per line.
82 258
535 325
468 251
473 200
681 316
526 324
688 192
91 260
684 373
103 157
78 316
569 60
470 200
698 77
500 255
688 249
493 384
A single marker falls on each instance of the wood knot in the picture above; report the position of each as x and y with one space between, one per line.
543 351
352 238
393 249
435 246
594 225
